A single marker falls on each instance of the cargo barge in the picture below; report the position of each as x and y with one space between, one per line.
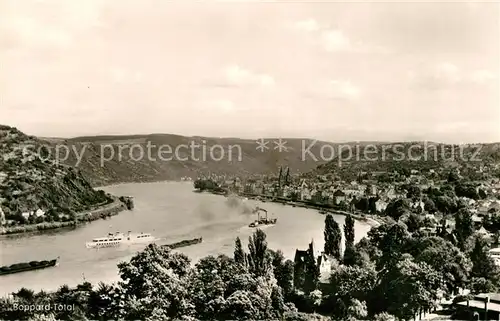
24 267
183 243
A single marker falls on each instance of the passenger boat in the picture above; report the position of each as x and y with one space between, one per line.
23 267
117 239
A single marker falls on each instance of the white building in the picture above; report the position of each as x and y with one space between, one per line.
326 264
495 254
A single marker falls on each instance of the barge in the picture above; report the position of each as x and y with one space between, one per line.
183 243
24 267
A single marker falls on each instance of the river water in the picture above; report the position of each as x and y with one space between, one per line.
171 212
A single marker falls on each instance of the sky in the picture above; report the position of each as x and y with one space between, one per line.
338 71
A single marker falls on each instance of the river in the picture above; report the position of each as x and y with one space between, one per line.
170 211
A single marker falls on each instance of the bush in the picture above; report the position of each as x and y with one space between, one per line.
462 298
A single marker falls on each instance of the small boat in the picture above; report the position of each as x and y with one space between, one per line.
117 239
183 243
24 267
262 220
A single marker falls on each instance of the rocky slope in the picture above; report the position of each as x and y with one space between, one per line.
31 181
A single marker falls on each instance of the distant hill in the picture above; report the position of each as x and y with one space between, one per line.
29 182
245 159
405 156
109 159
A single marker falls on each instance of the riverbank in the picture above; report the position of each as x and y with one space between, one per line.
370 219
171 212
102 212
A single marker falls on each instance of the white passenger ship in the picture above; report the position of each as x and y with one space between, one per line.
117 239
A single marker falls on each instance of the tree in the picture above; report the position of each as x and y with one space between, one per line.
354 255
363 204
259 259
239 305
347 283
333 237
453 176
239 254
445 204
406 288
283 271
349 231
414 192
350 254
413 221
343 205
372 204
357 310
352 282
206 184
103 302
445 258
482 285
464 227
492 222
397 208
466 190
429 205
77 297
384 178
23 297
390 239
483 265
208 285
155 284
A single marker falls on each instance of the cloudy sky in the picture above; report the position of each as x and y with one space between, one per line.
336 71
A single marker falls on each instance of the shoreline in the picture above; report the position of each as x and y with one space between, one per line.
141 182
83 218
110 274
370 219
